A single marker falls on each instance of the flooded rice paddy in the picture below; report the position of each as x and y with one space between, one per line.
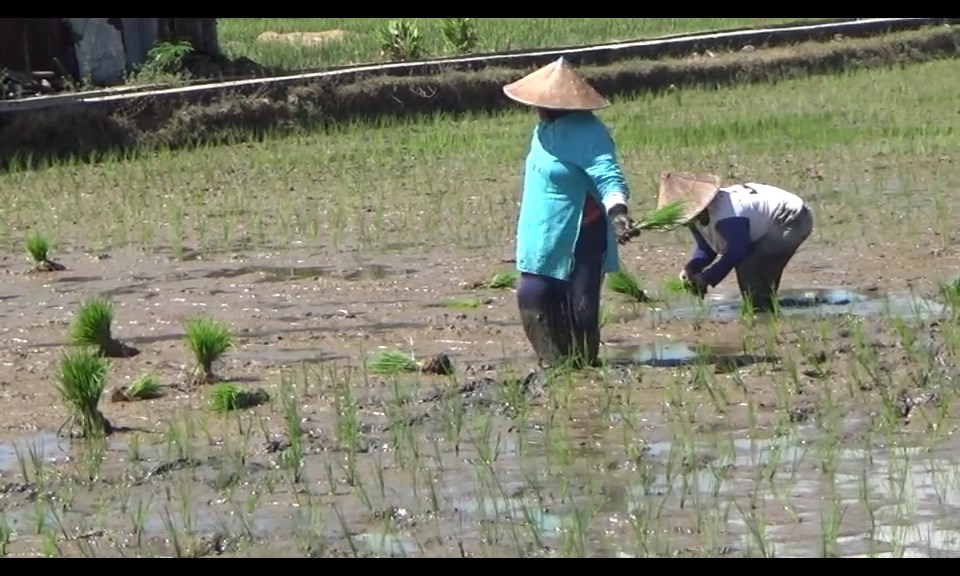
827 432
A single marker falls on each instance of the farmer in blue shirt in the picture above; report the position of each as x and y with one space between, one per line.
756 228
572 214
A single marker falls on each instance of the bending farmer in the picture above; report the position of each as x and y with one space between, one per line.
572 212
756 227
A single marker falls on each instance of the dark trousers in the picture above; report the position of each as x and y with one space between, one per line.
759 274
561 318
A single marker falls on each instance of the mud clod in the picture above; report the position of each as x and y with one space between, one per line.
172 466
47 266
116 349
906 402
801 414
439 365
254 398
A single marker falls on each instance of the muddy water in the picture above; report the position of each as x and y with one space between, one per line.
407 466
901 500
674 354
44 446
817 302
748 497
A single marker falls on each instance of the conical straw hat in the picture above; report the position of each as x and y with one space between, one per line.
696 190
556 86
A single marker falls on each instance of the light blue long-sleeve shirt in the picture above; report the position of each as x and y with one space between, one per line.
569 158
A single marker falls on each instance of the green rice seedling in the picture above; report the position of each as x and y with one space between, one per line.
144 387
229 397
392 362
208 341
504 280
81 378
38 247
93 326
626 283
464 303
606 315
666 218
951 291
396 362
675 285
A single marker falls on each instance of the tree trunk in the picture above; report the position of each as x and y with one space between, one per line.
211 42
200 32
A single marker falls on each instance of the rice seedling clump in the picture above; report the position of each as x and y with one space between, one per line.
144 387
93 326
38 247
226 397
81 378
208 341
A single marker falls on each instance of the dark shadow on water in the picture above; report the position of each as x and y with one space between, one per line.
376 272
268 355
677 354
153 339
270 274
78 279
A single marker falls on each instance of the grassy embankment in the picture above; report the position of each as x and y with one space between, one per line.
360 42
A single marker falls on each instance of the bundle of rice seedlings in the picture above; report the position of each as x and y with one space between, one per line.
38 247
624 282
392 362
145 387
92 326
675 285
395 362
228 397
208 340
503 280
81 377
665 218
464 303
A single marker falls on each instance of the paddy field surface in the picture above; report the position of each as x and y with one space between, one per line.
829 432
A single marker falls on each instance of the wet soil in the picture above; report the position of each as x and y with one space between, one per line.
701 435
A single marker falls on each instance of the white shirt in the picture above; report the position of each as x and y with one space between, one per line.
758 203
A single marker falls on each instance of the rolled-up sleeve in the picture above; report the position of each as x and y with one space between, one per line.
599 160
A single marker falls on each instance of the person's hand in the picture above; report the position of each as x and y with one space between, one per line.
623 228
694 283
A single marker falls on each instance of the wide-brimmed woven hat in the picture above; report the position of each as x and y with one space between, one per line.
696 190
556 86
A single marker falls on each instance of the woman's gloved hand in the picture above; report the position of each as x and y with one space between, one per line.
693 283
622 224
